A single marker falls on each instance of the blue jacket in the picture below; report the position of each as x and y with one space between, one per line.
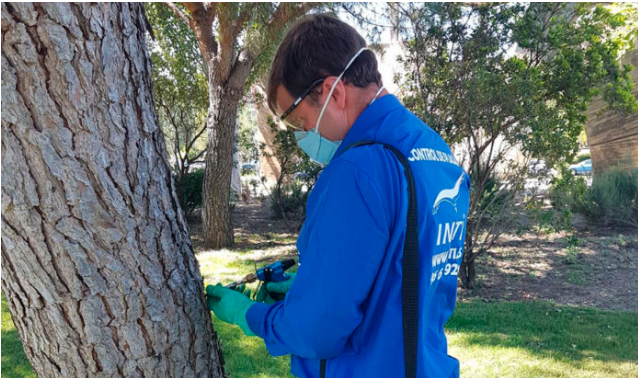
345 303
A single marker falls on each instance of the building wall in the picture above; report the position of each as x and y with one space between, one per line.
613 137
269 167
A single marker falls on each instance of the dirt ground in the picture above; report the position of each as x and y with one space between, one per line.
592 267
600 271
254 228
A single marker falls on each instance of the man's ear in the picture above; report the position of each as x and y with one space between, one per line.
339 93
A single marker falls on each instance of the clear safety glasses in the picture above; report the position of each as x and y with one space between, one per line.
306 92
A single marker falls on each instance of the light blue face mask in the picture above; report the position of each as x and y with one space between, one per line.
320 149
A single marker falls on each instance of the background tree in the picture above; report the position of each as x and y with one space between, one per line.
296 178
180 89
493 77
97 265
235 40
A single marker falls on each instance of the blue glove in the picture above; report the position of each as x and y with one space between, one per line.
229 306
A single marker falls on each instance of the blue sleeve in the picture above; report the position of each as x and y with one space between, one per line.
341 247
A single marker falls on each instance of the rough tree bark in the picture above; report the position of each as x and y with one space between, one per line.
224 94
98 269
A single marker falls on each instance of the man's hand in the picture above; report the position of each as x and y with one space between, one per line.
242 289
268 292
281 287
229 306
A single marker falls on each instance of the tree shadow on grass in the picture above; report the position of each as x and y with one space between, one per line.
560 332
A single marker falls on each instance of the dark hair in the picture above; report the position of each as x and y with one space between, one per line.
317 47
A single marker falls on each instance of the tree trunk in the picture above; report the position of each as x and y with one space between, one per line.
98 268
228 69
467 270
221 124
467 274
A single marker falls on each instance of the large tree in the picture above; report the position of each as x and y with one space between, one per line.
493 77
98 269
235 39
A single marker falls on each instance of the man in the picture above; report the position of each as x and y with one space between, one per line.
345 304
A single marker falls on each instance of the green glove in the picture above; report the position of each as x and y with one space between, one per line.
264 296
242 289
229 305
281 288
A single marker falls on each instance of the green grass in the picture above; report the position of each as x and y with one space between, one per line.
247 357
14 362
578 271
497 339
539 339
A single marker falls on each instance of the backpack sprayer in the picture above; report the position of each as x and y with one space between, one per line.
270 273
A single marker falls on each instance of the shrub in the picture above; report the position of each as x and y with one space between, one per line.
613 198
567 192
546 220
494 197
296 179
192 191
288 199
494 211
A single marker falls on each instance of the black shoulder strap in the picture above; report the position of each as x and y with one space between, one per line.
410 284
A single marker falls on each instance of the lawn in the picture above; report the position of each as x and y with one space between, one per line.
14 362
540 339
491 339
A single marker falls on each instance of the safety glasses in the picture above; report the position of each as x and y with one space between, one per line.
292 107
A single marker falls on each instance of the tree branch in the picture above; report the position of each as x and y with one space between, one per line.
200 12
202 18
244 17
225 30
361 19
190 144
191 161
241 69
286 12
178 12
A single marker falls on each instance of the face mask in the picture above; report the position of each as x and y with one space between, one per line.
319 149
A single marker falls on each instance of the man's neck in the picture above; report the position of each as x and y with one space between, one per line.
362 98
